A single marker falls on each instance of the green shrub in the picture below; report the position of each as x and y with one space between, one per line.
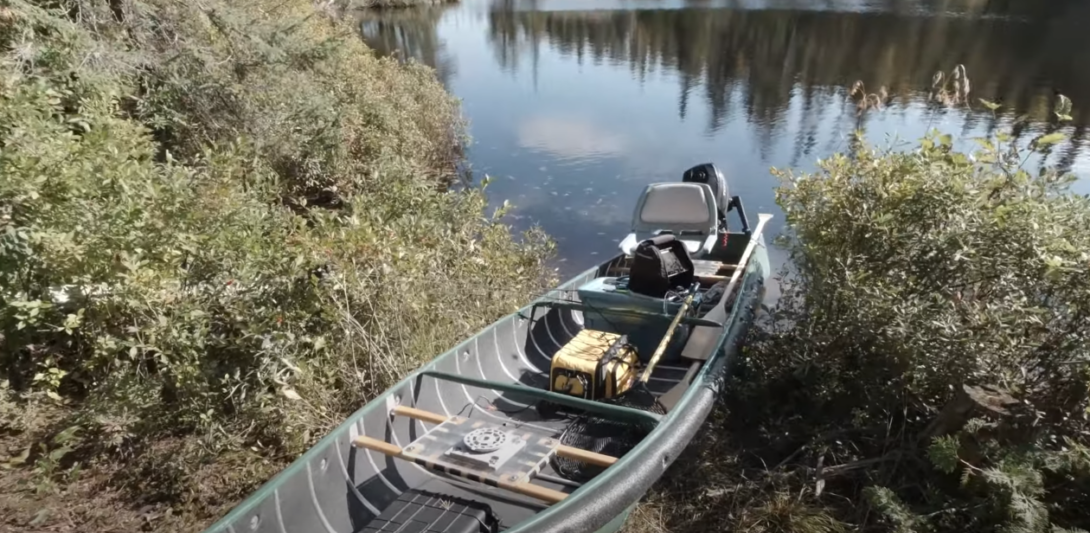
914 275
931 269
170 265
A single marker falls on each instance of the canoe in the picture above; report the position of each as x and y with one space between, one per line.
476 441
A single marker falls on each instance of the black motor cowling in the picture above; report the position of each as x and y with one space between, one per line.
709 174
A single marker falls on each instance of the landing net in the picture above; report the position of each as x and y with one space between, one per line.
594 433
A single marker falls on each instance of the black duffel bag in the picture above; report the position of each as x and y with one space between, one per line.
659 265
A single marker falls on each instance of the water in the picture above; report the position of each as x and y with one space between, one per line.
575 105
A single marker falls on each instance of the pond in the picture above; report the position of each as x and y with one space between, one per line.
575 105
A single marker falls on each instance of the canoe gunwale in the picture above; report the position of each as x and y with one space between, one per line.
572 306
615 412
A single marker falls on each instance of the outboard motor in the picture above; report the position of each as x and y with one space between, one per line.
709 174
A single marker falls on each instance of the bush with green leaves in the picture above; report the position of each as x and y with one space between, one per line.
226 221
945 268
913 274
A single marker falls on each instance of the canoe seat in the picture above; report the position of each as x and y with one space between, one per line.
418 511
688 210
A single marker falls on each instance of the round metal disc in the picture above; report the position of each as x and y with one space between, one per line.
485 440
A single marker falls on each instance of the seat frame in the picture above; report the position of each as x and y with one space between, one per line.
699 240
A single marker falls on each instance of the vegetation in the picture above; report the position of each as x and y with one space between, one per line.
927 367
396 4
223 226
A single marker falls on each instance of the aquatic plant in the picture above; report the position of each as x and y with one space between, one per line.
865 100
950 90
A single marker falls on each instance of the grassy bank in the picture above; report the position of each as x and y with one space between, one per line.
223 227
928 366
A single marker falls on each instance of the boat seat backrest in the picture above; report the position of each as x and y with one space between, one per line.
686 209
676 207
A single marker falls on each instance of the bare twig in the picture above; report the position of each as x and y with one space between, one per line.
847 467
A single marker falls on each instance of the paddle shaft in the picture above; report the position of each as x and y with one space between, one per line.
719 312
666 339
672 396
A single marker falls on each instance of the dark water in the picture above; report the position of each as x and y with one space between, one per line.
575 105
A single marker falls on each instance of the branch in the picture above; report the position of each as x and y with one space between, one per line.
847 467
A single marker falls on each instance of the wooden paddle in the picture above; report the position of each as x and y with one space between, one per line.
666 339
638 394
703 337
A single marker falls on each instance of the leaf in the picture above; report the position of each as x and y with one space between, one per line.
59 453
21 458
1063 106
943 453
1050 139
67 436
290 394
39 517
985 144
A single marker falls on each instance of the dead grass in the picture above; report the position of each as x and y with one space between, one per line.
83 506
31 501
397 4
175 485
731 479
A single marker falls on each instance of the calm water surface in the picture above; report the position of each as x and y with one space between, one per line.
575 105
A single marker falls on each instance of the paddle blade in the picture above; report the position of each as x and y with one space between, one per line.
673 396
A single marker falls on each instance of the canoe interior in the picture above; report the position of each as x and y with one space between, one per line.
336 487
